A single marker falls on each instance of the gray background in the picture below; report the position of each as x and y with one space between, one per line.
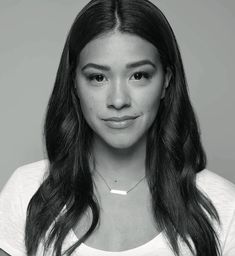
32 37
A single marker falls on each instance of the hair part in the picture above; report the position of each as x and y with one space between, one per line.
174 153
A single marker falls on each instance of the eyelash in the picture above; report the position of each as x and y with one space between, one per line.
146 75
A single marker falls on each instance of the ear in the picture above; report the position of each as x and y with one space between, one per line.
166 82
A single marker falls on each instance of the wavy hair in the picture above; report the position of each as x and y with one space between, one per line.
174 153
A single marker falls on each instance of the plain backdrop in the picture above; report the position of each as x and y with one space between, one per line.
32 37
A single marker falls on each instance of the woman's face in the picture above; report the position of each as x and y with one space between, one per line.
120 76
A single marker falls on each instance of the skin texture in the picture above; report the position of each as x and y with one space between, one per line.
117 92
120 153
120 91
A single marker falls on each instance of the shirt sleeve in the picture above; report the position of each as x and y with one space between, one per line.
229 245
12 216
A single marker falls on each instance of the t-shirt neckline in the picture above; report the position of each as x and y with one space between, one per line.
85 248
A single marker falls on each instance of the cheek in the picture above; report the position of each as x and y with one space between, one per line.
151 101
87 109
91 106
87 105
150 107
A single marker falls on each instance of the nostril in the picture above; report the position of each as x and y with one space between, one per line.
119 101
118 105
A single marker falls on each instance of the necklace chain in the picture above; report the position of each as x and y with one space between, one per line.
123 192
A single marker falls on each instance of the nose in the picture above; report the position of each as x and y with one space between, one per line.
118 95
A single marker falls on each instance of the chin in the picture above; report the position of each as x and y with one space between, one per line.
121 142
120 145
119 139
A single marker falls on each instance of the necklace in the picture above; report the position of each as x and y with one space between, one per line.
116 191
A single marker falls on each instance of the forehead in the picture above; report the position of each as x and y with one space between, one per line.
117 48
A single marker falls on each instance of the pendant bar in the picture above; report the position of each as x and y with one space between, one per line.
120 192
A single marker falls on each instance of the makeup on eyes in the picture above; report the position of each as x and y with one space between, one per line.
138 75
138 71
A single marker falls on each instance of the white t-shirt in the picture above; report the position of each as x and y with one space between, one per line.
25 181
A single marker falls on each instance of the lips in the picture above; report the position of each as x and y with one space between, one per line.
120 122
120 119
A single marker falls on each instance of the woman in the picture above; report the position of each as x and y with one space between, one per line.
125 173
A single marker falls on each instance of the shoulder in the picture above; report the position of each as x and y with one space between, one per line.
216 187
14 199
35 170
25 181
221 192
31 174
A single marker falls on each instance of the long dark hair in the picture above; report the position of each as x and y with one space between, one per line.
174 154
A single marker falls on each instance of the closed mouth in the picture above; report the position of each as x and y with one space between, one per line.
120 119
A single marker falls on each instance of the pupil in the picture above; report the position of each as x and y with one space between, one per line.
99 78
138 75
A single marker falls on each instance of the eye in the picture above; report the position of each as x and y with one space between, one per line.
140 75
97 77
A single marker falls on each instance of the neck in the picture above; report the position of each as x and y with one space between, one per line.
120 165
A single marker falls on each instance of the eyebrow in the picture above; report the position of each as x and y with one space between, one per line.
128 66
